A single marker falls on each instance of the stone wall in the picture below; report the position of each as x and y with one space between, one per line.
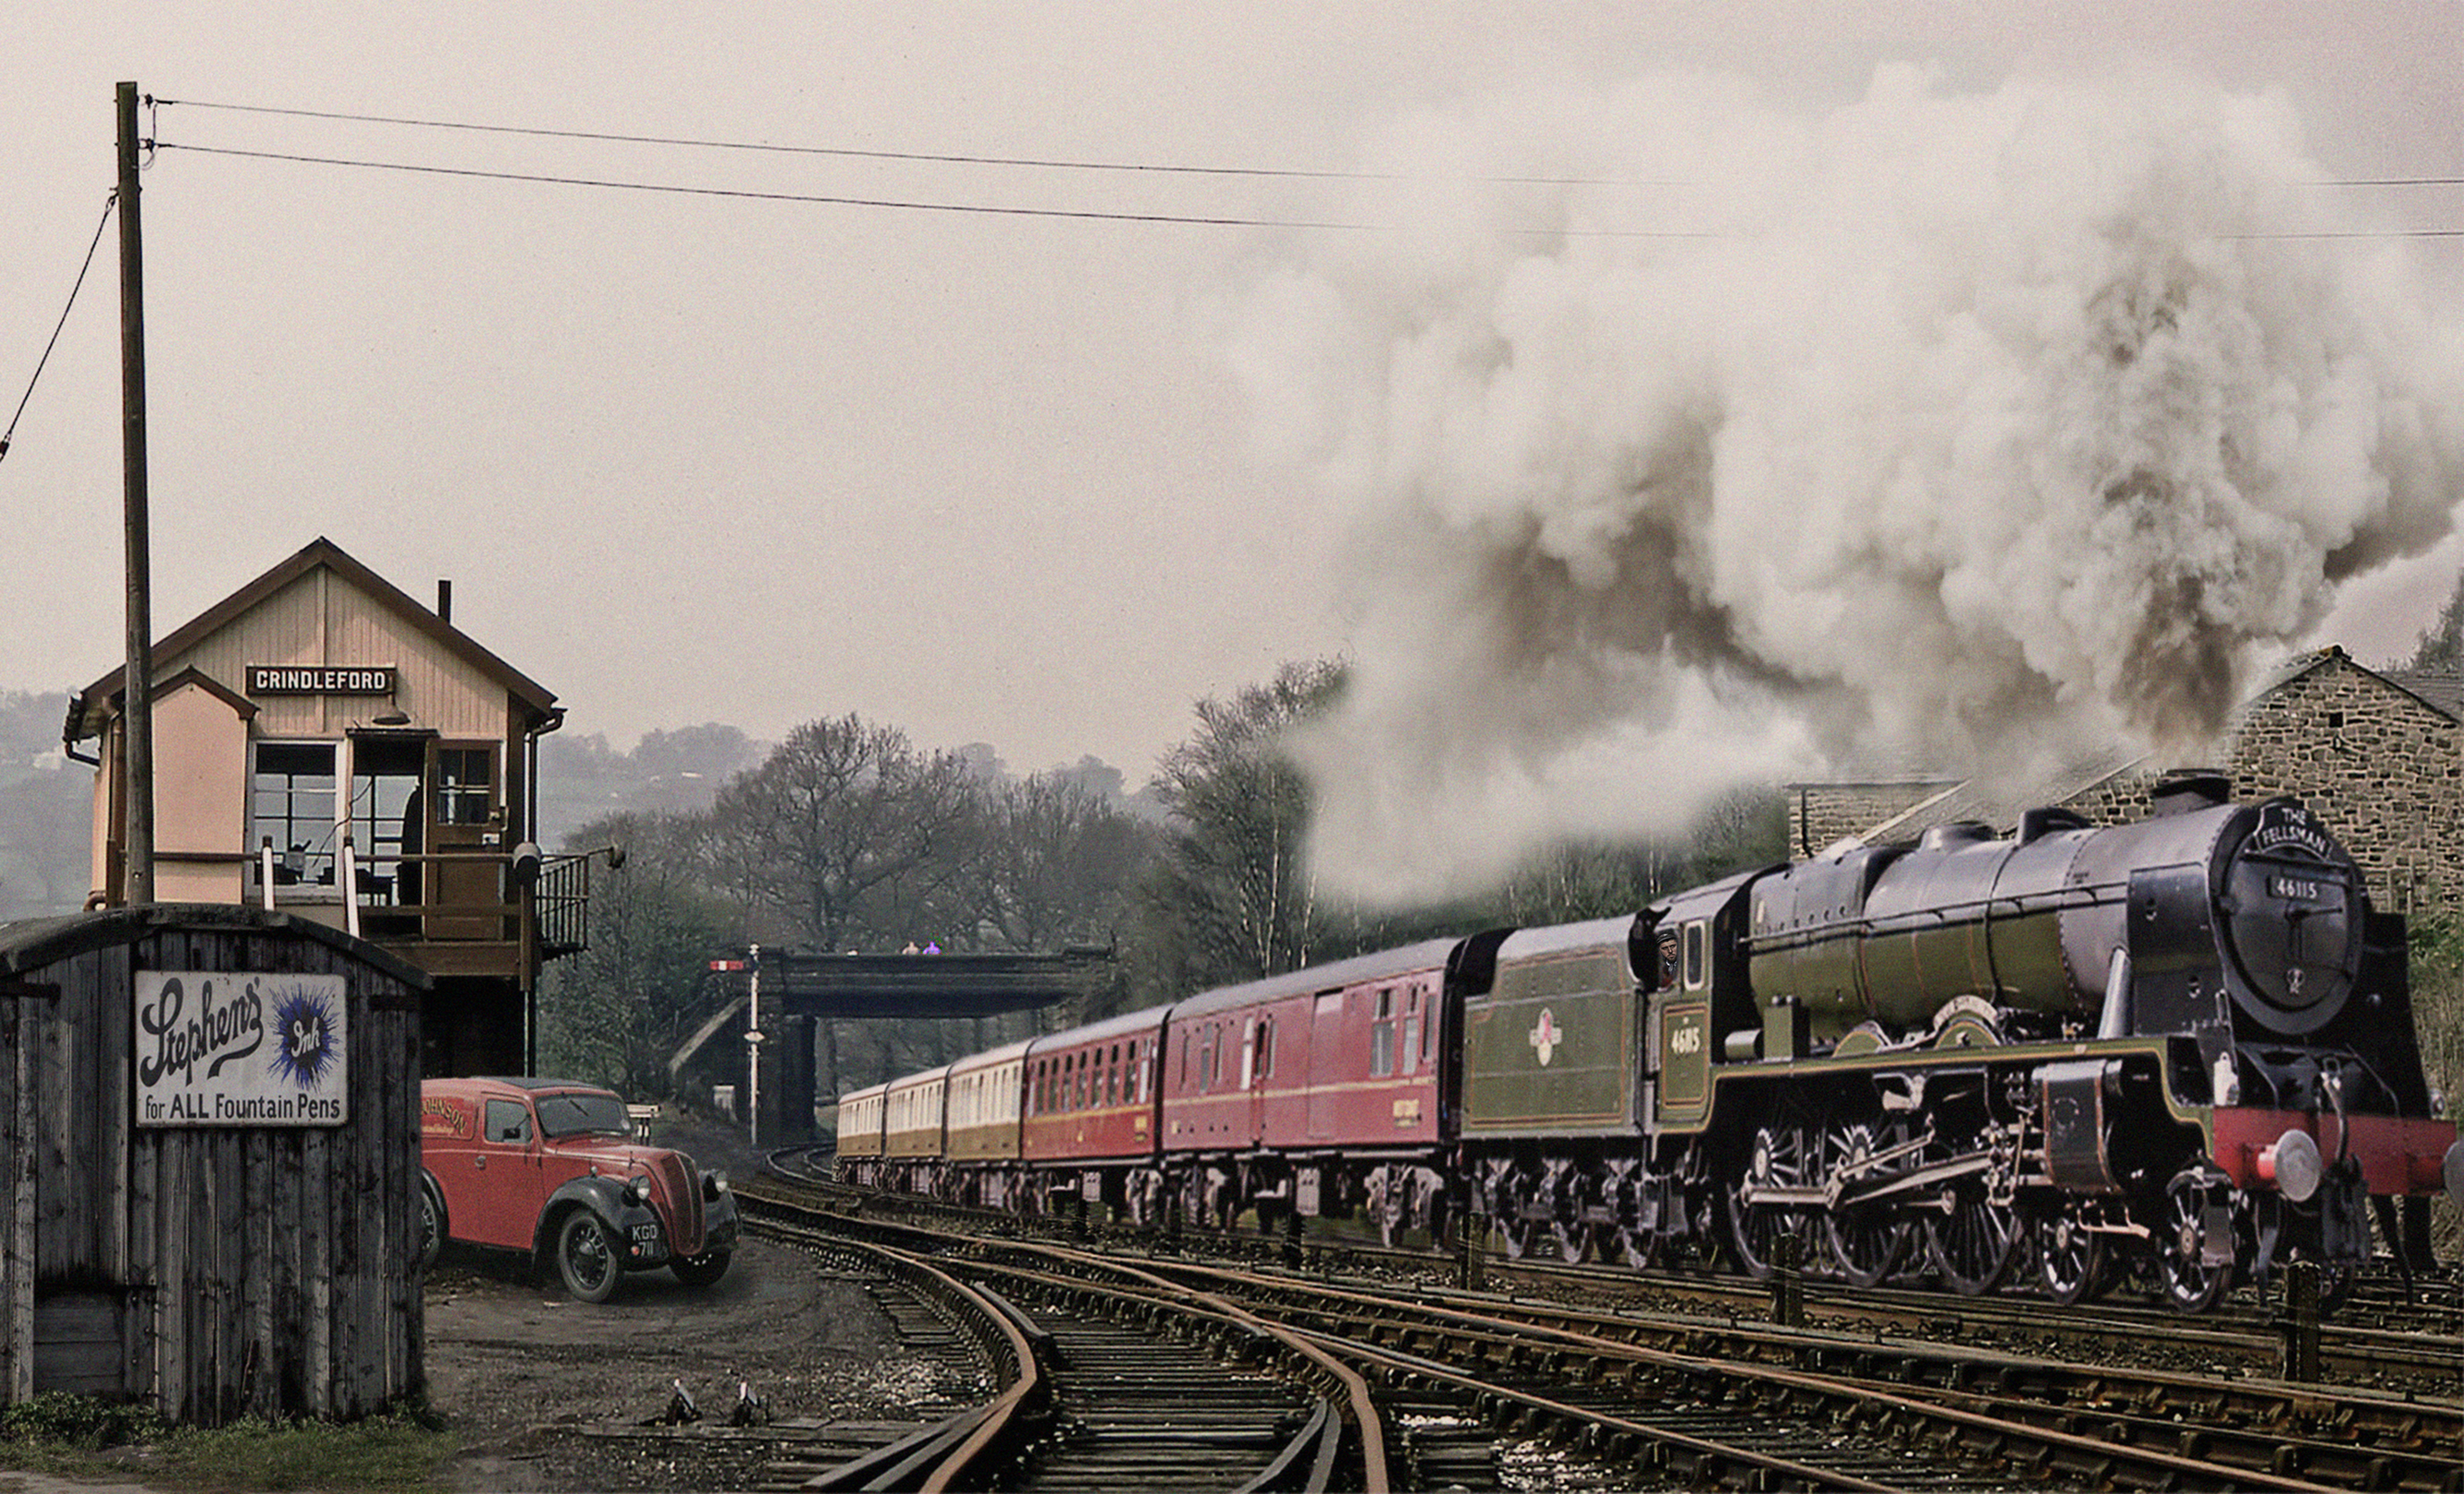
1821 815
2381 768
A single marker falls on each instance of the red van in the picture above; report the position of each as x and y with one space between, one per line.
550 1167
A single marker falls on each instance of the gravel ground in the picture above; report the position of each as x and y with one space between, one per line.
549 1394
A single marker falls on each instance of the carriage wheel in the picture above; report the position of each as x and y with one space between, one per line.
1577 1242
2070 1259
1976 1244
1522 1236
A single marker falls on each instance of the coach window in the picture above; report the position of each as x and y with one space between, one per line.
1412 1031
1694 951
1248 1052
1265 1046
1382 1036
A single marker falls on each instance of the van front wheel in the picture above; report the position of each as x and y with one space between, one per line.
586 1255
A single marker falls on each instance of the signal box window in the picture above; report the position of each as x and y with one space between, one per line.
290 803
465 785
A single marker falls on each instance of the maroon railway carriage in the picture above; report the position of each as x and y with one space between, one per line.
1320 1092
1089 1110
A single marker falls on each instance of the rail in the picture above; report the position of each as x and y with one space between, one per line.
954 1453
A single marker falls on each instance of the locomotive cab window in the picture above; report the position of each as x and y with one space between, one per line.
1696 942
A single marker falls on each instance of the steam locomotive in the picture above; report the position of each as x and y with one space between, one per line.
2179 1051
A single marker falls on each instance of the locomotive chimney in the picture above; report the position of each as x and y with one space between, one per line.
2187 789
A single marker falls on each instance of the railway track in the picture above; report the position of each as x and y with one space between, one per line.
2394 1335
1466 1383
1099 1391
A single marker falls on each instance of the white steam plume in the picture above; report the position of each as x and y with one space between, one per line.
1967 429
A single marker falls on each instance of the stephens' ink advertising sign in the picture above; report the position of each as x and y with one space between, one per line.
240 1048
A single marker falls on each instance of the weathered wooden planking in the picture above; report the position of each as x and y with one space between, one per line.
78 1344
246 1270
17 1252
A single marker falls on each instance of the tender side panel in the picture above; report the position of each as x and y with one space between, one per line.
1553 1046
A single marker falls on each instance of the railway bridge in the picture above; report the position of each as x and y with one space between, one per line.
780 994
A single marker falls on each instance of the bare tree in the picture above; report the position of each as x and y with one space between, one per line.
1058 864
1232 898
851 833
617 1011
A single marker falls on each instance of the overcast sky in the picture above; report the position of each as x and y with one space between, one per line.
982 476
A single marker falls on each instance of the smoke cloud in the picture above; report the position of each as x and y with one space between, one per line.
1685 442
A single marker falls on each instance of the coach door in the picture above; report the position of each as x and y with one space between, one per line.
466 821
1326 1066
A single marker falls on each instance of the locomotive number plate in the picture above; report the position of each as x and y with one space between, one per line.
2298 890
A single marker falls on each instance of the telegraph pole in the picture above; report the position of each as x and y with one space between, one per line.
137 711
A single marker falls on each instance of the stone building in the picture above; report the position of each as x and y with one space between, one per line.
2378 757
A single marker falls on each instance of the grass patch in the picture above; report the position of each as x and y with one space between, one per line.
79 1436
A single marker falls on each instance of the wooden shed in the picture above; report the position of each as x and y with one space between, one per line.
208 1116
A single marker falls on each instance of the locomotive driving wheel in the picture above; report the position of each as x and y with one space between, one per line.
1867 1240
1755 1229
1975 1243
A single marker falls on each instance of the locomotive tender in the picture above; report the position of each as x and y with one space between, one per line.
2180 1050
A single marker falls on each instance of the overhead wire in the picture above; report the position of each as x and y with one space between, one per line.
1061 164
108 203
1052 162
913 204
